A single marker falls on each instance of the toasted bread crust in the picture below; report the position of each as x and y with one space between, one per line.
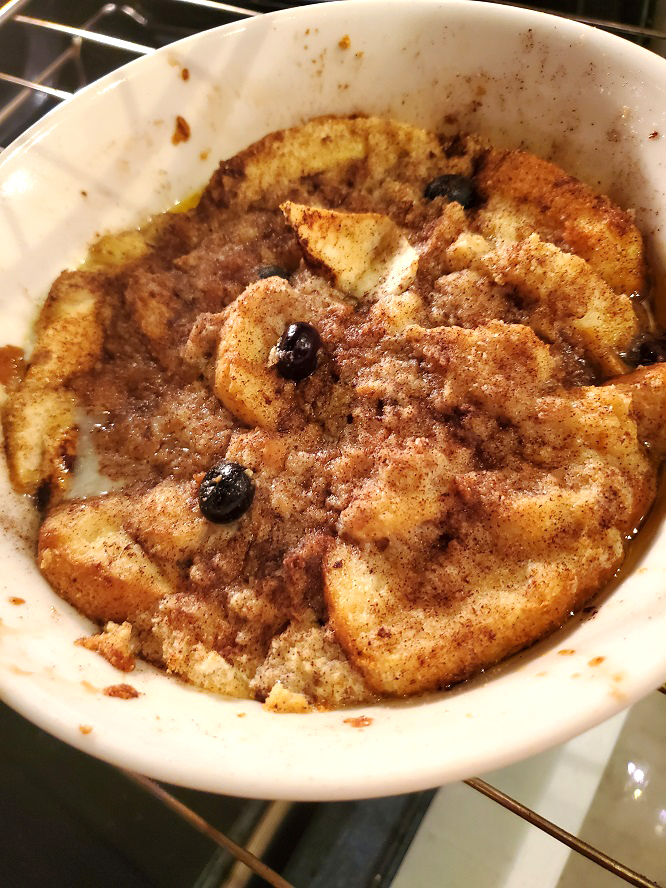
523 188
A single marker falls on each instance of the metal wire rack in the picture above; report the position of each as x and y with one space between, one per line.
62 46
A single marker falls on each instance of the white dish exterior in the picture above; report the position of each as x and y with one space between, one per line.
586 99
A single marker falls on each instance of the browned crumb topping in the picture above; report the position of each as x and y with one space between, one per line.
281 699
85 729
121 691
16 600
182 131
115 644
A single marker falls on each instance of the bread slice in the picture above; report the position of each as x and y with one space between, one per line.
567 301
92 562
523 546
324 145
40 417
245 382
527 194
363 254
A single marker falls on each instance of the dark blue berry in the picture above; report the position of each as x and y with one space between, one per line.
454 188
225 493
297 351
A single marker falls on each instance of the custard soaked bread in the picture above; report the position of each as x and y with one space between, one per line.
375 414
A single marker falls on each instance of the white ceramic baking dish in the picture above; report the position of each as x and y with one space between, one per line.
594 103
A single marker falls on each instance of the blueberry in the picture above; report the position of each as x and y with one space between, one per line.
225 493
648 348
297 351
453 187
269 271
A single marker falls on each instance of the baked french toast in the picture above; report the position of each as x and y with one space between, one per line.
384 408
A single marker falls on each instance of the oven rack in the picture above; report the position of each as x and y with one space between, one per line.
23 91
92 32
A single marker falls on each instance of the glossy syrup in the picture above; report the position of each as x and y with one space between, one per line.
643 536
